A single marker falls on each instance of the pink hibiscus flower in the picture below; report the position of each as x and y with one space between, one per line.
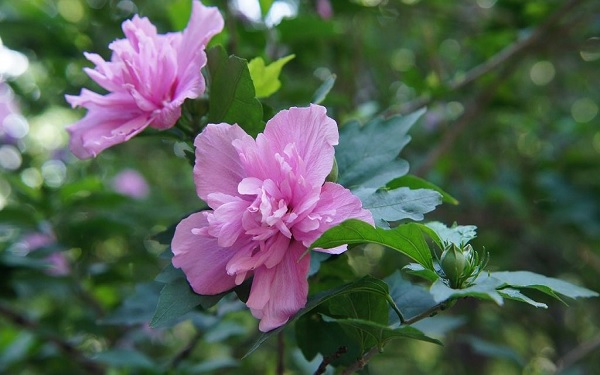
149 76
269 202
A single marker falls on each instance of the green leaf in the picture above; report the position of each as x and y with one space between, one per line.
414 182
176 299
232 95
484 287
380 334
420 271
516 295
439 325
398 204
407 239
411 299
324 89
459 235
371 307
367 155
548 285
266 78
366 284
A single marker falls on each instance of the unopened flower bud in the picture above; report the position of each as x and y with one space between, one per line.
453 263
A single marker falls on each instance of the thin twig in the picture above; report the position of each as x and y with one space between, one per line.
578 353
426 314
539 35
183 354
362 362
70 350
280 353
327 360
472 111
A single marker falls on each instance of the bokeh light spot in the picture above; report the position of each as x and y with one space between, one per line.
591 49
402 59
54 173
542 72
486 4
584 110
32 178
10 157
71 10
15 126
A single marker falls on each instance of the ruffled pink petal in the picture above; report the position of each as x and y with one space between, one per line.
218 168
200 257
226 219
313 134
99 130
336 204
204 23
278 293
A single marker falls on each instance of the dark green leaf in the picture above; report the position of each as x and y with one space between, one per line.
411 299
366 284
398 204
232 95
483 288
414 182
457 234
439 325
381 334
367 155
548 285
418 270
407 239
176 299
516 295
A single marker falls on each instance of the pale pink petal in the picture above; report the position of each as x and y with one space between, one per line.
218 168
226 220
98 131
278 293
204 23
201 258
336 204
313 134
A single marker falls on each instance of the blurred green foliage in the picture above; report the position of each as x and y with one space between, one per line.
511 132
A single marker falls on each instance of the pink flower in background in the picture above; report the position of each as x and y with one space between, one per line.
131 183
58 264
148 78
324 9
269 202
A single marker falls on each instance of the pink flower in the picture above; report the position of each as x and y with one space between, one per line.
131 183
149 76
269 202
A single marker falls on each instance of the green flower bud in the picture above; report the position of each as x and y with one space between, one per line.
333 175
454 263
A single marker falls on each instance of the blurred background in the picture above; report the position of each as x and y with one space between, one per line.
512 131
